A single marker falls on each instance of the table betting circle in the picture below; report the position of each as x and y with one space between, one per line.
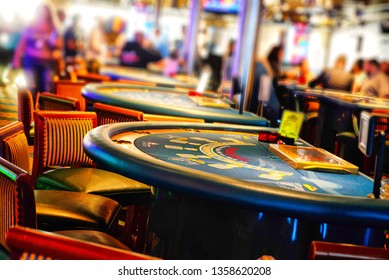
242 156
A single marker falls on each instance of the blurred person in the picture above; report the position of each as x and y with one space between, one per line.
359 74
384 67
73 41
96 47
378 84
138 52
171 64
160 43
302 73
39 49
179 45
61 14
274 59
334 78
371 67
228 61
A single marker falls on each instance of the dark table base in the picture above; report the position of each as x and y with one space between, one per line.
184 227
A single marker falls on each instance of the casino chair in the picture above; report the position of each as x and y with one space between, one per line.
346 144
45 101
107 114
61 164
92 77
18 208
58 210
51 102
320 250
31 244
311 111
68 88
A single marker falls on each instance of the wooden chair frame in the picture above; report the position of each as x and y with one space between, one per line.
51 102
112 114
92 77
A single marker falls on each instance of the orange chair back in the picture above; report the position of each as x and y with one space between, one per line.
59 139
107 114
72 89
14 146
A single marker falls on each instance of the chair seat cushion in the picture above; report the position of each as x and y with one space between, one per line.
96 181
63 210
95 237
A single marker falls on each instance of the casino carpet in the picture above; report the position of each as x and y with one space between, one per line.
8 105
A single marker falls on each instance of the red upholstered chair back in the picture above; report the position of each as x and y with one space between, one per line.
59 139
14 146
17 201
32 244
72 89
320 250
107 114
25 109
382 123
51 102
92 77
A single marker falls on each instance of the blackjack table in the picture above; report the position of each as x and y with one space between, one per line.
219 193
160 101
142 75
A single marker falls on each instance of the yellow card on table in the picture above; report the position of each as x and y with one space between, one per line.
291 123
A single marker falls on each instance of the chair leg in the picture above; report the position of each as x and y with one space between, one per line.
140 227
368 165
337 148
134 227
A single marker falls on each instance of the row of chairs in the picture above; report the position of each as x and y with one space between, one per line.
125 190
69 198
62 101
53 136
20 237
31 244
74 204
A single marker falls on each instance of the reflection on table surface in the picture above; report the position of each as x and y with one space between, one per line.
121 72
110 87
169 102
361 101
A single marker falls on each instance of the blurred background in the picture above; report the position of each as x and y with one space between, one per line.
319 30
